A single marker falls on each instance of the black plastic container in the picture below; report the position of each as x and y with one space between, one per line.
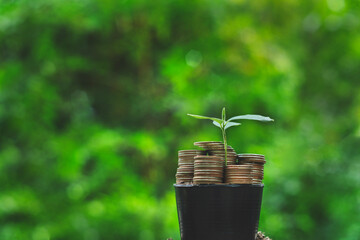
218 212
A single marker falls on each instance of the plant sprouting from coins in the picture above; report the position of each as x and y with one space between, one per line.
224 124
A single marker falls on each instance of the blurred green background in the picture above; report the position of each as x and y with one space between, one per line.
93 103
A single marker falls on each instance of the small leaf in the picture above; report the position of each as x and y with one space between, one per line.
231 124
252 117
217 124
204 117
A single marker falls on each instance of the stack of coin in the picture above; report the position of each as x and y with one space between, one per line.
185 171
256 161
217 149
238 174
208 170
206 144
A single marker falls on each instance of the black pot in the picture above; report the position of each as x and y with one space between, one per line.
218 212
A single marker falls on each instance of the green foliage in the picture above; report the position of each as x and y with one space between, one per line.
93 96
224 124
219 121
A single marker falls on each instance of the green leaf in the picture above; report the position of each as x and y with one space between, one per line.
252 117
223 115
204 117
228 124
231 124
217 124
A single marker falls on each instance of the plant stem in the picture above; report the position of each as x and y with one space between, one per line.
225 143
223 129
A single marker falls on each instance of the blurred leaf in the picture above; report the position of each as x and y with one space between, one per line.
217 124
231 124
207 118
251 117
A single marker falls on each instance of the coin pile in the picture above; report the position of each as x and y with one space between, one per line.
208 170
256 162
185 171
207 166
217 149
238 174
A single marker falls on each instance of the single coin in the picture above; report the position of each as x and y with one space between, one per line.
207 166
208 170
185 171
257 161
249 157
205 157
187 161
243 171
239 177
206 182
185 178
187 155
186 158
253 165
239 182
217 160
206 142
223 156
186 166
250 154
209 158
181 175
217 167
230 167
257 177
237 173
208 173
207 177
199 163
256 182
187 151
220 148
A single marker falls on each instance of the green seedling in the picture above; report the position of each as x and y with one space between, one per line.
224 124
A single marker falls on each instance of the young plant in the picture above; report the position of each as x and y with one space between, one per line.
224 124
